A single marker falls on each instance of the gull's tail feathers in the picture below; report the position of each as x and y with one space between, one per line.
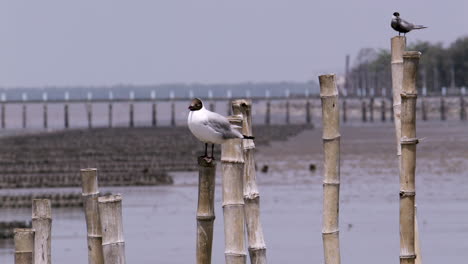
419 27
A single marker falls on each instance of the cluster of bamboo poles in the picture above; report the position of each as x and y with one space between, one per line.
404 72
103 216
241 198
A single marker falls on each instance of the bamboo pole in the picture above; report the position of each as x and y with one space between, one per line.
65 115
417 244
232 160
89 110
383 108
24 245
345 109
110 213
308 116
268 112
256 241
45 116
3 116
408 158
131 111
331 182
154 121
462 107
173 122
364 110
205 210
109 112
90 193
398 47
371 109
42 224
25 115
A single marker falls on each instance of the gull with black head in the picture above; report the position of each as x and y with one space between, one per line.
210 127
403 26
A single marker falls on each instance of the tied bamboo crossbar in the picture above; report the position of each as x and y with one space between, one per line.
331 182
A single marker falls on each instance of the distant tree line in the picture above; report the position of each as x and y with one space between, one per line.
439 67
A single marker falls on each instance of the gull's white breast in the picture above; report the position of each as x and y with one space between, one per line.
196 124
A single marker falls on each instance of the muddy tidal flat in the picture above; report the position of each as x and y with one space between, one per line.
160 224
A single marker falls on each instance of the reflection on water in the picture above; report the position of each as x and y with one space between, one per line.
160 224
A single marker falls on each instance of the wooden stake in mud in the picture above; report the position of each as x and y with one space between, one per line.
65 111
398 47
109 109
3 99
110 213
364 110
257 247
42 224
307 108
408 158
232 159
44 108
443 117
462 104
89 110
131 110
205 210
331 182
25 111
24 245
90 193
371 109
268 106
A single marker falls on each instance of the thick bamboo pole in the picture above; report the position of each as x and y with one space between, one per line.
131 115
256 241
408 158
42 224
331 182
398 47
110 214
205 210
232 159
24 245
417 245
90 192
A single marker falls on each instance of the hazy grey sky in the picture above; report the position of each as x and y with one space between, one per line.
105 42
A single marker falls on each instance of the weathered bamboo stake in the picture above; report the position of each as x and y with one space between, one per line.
25 113
109 112
392 112
232 160
24 245
308 116
383 108
110 213
371 109
268 112
42 224
443 117
131 122
345 108
364 110
3 116
287 119
408 157
45 115
205 210
398 47
256 241
90 193
173 123
65 115
89 110
462 104
423 109
331 182
154 121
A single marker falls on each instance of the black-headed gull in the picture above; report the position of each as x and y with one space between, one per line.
210 127
403 26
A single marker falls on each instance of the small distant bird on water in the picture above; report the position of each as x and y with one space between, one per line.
210 127
403 26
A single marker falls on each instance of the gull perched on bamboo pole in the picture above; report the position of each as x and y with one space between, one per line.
210 127
403 26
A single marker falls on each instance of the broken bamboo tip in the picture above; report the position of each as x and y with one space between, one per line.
327 85
89 180
206 161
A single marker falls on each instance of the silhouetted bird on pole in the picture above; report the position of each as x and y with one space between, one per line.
403 26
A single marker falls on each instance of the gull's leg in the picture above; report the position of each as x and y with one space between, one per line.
206 150
212 150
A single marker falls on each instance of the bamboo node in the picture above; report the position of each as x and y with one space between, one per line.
407 256
331 138
331 183
328 96
206 161
409 141
113 243
409 95
251 196
206 217
407 194
330 233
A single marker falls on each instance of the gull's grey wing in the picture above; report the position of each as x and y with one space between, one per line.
221 125
406 25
